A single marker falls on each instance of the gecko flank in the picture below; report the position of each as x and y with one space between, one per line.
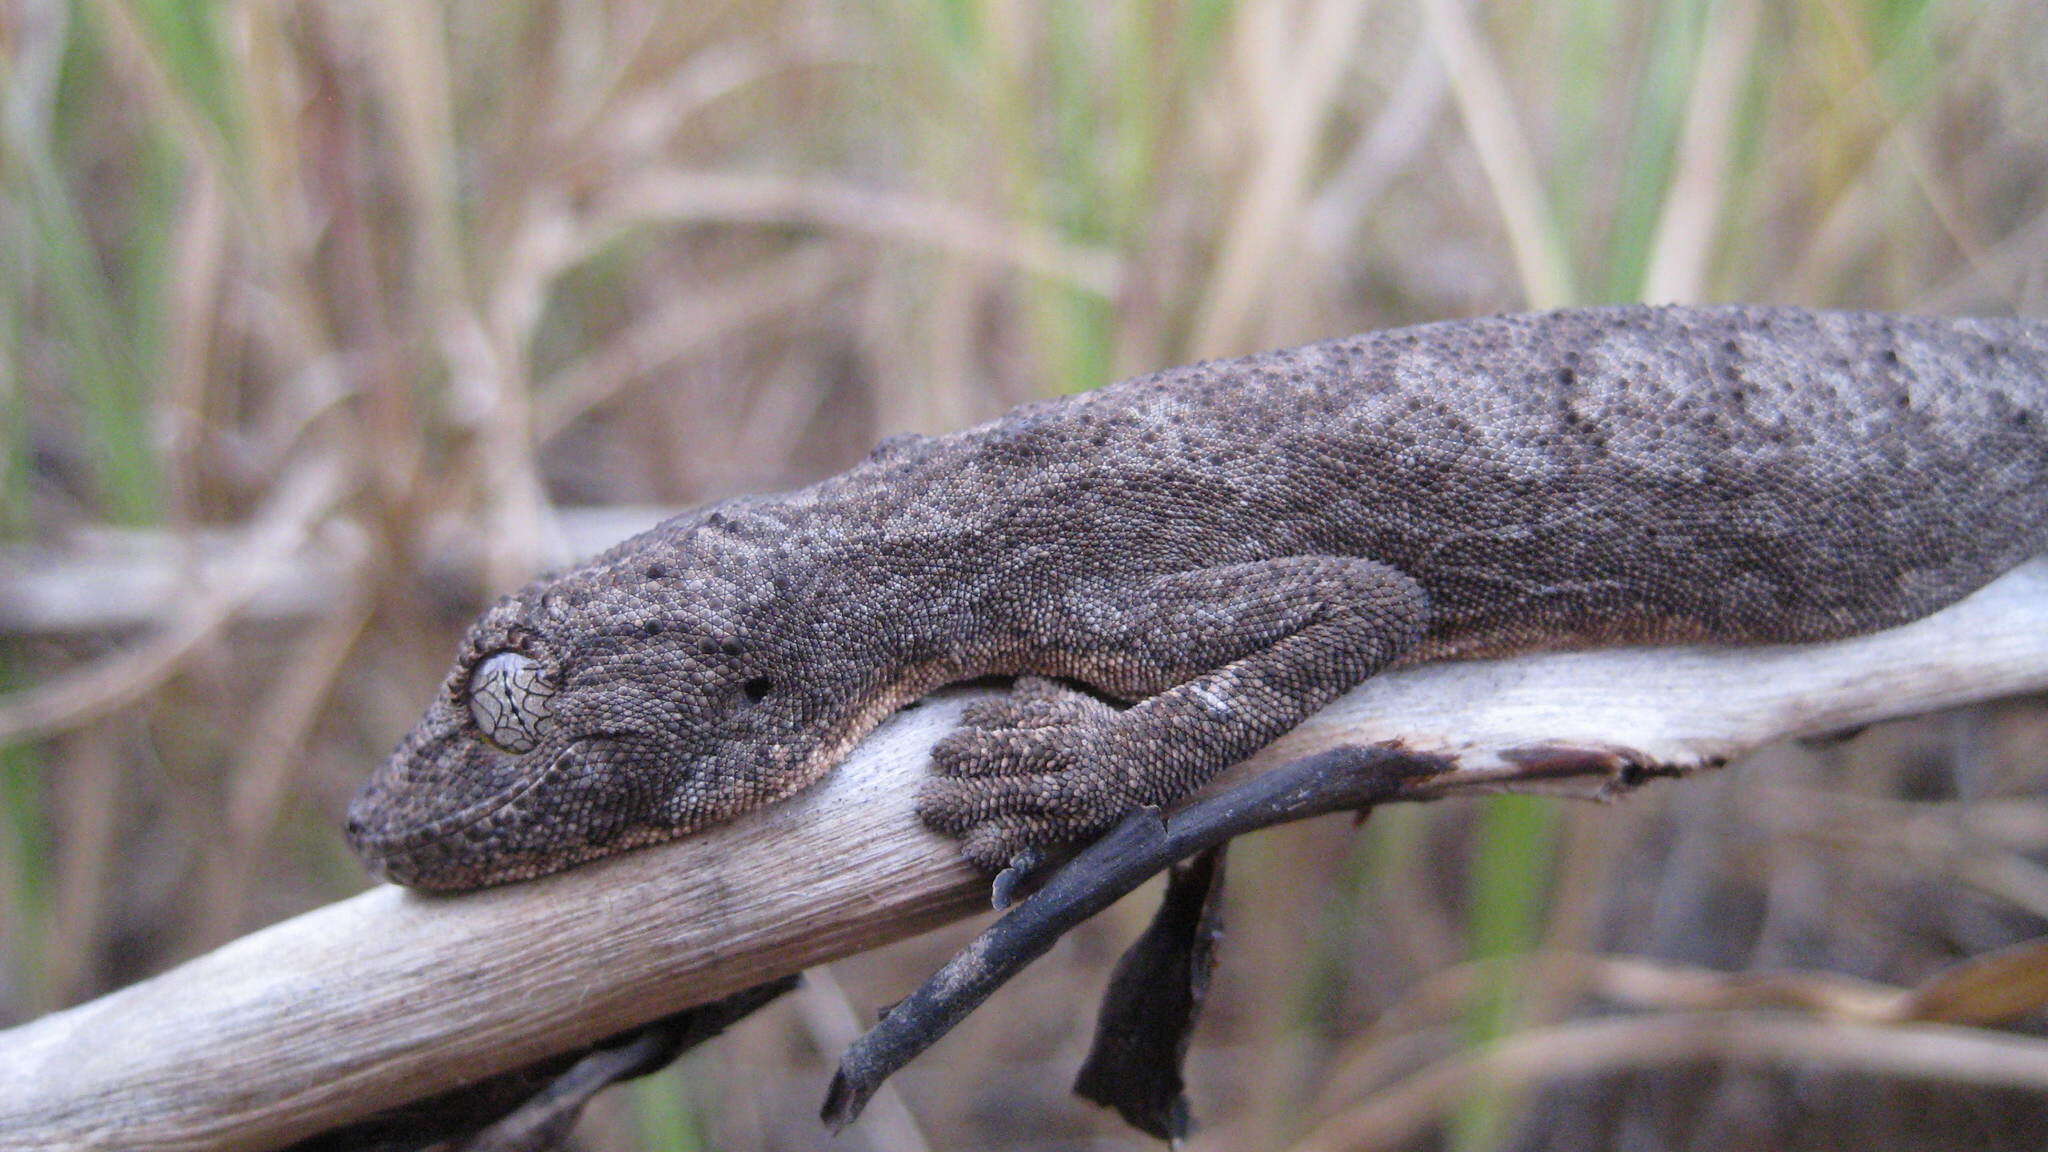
1183 566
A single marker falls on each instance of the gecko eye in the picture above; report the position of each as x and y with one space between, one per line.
511 701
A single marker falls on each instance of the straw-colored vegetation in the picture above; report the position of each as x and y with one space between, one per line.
317 317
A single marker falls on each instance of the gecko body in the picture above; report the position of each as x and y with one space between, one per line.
1183 566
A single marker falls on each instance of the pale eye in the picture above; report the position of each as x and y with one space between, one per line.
511 701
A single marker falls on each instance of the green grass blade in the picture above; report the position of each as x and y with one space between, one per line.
1508 887
667 1118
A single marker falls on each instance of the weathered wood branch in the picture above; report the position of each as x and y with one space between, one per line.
392 996
110 580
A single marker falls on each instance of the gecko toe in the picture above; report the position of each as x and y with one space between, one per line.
986 752
1034 703
1040 727
1024 868
997 817
1013 850
959 805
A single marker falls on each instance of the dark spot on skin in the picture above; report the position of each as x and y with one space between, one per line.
758 689
657 572
731 647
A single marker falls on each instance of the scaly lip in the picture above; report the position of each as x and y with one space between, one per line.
379 852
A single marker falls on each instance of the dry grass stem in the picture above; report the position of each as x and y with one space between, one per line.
85 694
1899 137
415 69
1381 153
1503 152
677 196
91 803
200 256
1692 205
270 757
1526 1060
691 323
1265 220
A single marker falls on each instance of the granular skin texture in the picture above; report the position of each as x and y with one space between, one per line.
1183 566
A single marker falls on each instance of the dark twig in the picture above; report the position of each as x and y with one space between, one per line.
531 1109
1137 849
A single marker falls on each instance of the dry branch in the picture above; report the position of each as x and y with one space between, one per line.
110 580
391 996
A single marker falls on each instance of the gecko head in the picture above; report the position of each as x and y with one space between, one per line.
630 701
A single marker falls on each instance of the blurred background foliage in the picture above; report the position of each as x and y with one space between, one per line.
326 321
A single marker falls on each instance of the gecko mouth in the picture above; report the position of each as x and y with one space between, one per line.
409 855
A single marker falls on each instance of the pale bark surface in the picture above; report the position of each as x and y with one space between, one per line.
390 996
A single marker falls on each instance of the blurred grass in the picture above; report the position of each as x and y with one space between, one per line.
186 39
1671 55
17 459
239 237
25 856
101 332
1512 865
667 1120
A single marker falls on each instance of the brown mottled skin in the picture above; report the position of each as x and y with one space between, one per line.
1226 548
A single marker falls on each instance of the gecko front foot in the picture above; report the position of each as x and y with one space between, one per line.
1027 770
1235 655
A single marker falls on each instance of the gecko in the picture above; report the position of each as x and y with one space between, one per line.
1179 568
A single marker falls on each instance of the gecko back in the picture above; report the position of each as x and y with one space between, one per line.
1598 475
